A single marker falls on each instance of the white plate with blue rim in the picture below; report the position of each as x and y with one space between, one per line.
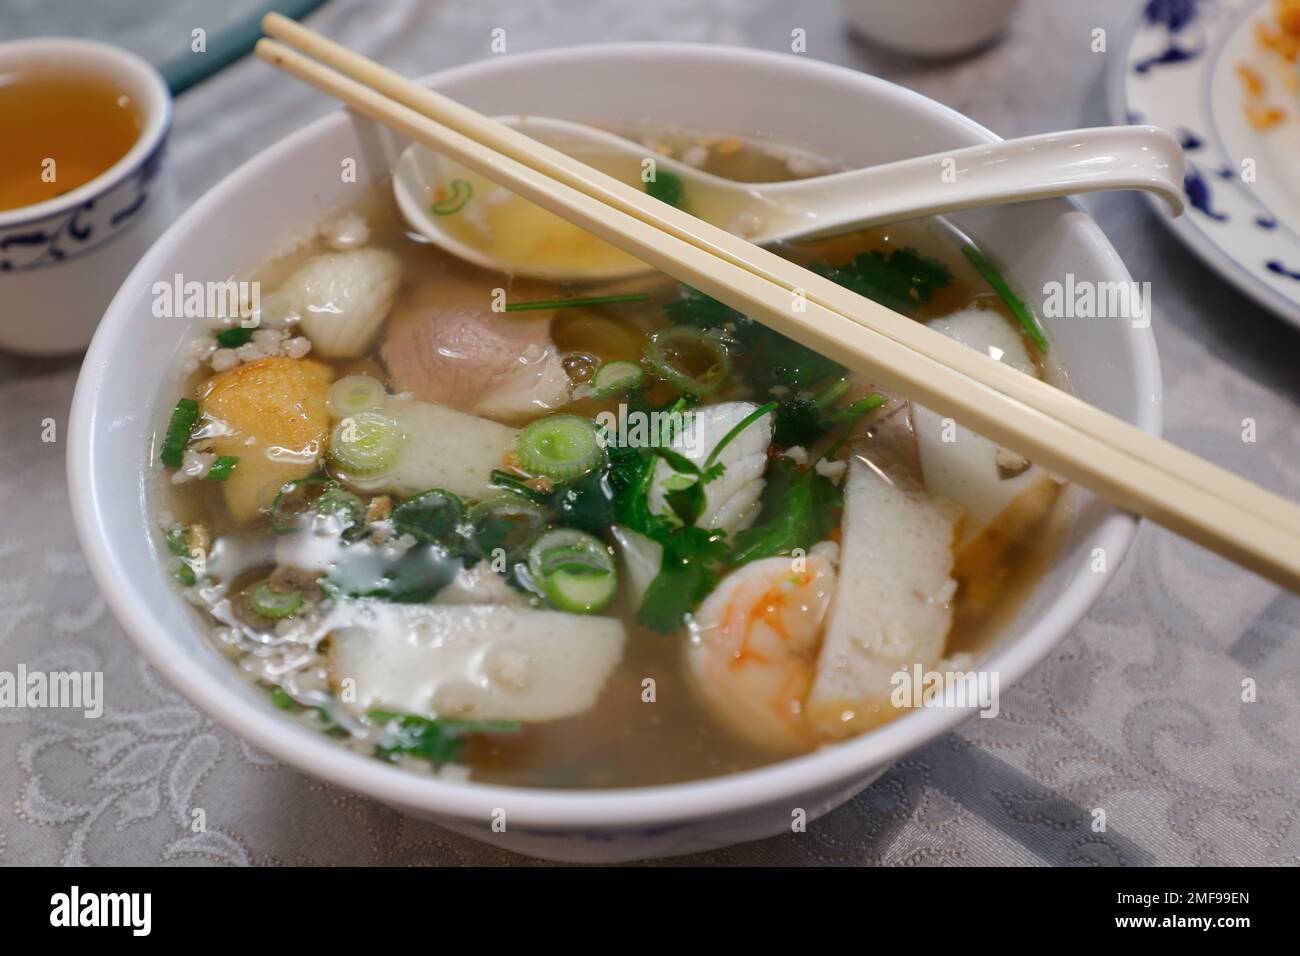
1200 69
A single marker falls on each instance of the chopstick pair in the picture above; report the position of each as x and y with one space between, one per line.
1134 470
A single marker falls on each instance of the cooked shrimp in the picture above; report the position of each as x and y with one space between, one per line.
754 644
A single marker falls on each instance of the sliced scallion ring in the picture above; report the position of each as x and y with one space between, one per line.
430 517
505 524
342 505
559 447
274 604
295 499
614 377
691 360
355 393
574 570
366 444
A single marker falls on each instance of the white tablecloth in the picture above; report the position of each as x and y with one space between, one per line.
1138 712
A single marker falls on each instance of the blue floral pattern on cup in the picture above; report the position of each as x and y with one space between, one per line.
64 235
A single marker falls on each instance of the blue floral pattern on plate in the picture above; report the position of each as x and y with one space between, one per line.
1177 69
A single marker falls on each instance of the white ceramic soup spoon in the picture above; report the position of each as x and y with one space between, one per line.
485 224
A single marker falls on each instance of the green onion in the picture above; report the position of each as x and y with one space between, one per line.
343 505
461 191
667 187
176 543
235 337
366 444
831 393
1017 307
852 410
849 413
573 569
220 469
281 699
739 427
614 377
674 351
295 499
354 393
505 524
504 479
177 436
559 447
175 538
429 517
274 604
570 303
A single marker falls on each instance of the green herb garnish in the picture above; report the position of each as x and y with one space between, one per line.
431 517
692 562
221 469
902 280
1013 302
182 421
580 301
438 741
235 337
799 508
281 699
667 187
461 191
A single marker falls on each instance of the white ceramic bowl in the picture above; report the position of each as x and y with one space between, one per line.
124 391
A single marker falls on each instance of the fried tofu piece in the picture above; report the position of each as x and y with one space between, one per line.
273 416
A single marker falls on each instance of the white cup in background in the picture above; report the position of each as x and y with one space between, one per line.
933 28
61 260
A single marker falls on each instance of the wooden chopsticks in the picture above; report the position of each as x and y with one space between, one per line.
1134 470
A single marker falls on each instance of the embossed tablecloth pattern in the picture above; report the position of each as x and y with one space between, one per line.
1139 711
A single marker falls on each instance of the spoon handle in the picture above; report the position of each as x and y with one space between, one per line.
1014 170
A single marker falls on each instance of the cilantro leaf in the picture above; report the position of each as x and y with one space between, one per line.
799 508
770 358
902 279
693 559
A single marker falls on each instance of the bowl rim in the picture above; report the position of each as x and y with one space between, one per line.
96 57
533 809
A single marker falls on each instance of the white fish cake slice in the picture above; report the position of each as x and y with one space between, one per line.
444 449
892 607
473 662
969 468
